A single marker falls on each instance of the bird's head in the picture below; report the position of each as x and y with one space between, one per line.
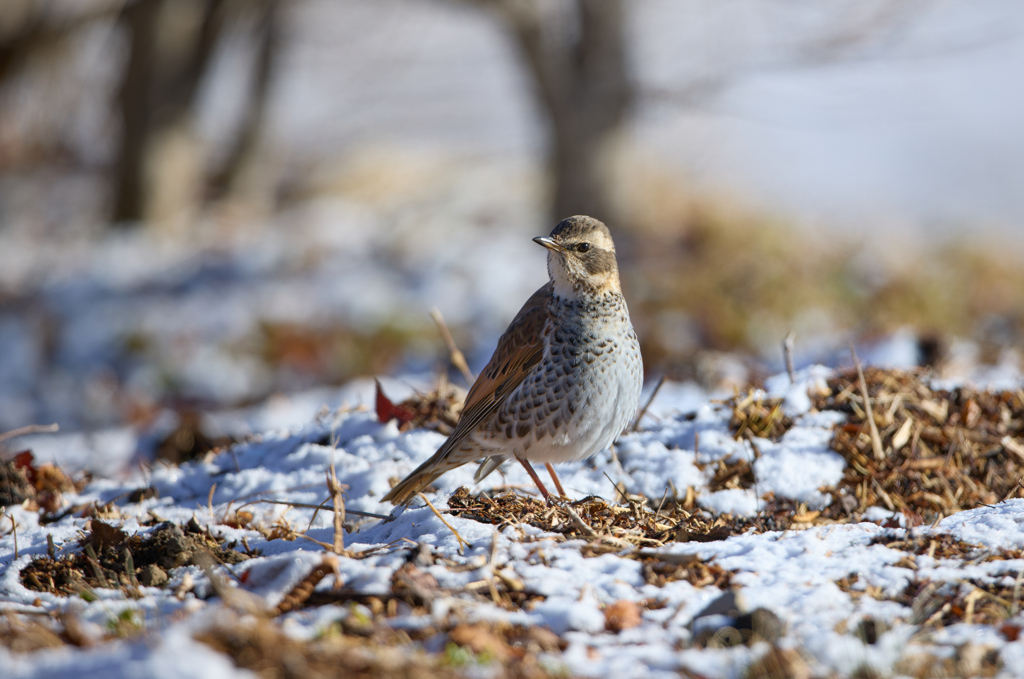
581 258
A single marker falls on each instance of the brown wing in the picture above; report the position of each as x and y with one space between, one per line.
519 350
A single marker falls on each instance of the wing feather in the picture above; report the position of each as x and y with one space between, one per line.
520 348
518 351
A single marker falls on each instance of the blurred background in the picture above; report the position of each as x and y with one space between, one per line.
204 203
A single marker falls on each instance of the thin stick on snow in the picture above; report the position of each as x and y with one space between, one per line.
643 411
458 537
457 359
616 487
323 505
876 440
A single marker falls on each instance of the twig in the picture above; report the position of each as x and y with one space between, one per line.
316 512
490 564
589 532
787 354
14 530
326 545
238 467
616 487
876 440
335 489
456 357
643 411
450 527
581 524
30 429
305 505
884 495
664 496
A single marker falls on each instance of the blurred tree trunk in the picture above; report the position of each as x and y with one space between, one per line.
245 145
166 63
576 54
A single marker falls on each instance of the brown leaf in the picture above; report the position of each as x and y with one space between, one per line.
621 615
479 639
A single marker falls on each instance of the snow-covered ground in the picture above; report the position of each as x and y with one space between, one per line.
822 582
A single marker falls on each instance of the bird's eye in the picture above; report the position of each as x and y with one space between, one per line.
582 247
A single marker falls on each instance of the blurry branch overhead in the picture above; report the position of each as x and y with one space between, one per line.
159 166
172 45
575 53
27 28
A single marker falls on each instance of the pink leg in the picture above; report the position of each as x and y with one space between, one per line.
554 477
536 479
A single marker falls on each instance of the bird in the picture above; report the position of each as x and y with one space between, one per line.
564 381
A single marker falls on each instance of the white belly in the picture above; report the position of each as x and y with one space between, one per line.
596 402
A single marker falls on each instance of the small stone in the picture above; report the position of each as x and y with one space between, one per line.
152 575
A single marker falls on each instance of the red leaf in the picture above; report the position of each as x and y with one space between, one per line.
387 411
24 459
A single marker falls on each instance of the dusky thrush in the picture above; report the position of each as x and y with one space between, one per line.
565 379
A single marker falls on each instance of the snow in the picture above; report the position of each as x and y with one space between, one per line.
793 573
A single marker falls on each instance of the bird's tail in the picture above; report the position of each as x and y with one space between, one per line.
421 477
487 466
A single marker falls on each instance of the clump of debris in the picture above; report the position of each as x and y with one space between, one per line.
438 409
935 452
112 559
36 486
611 526
755 415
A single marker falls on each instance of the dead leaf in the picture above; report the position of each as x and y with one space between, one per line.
621 615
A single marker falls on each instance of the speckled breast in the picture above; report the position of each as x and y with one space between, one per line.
585 390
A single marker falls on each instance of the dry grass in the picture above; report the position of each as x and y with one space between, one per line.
608 526
944 451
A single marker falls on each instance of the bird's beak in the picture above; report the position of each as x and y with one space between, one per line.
548 243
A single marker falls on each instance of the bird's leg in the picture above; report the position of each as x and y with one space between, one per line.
536 479
554 477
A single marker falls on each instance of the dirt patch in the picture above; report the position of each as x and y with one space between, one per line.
110 558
